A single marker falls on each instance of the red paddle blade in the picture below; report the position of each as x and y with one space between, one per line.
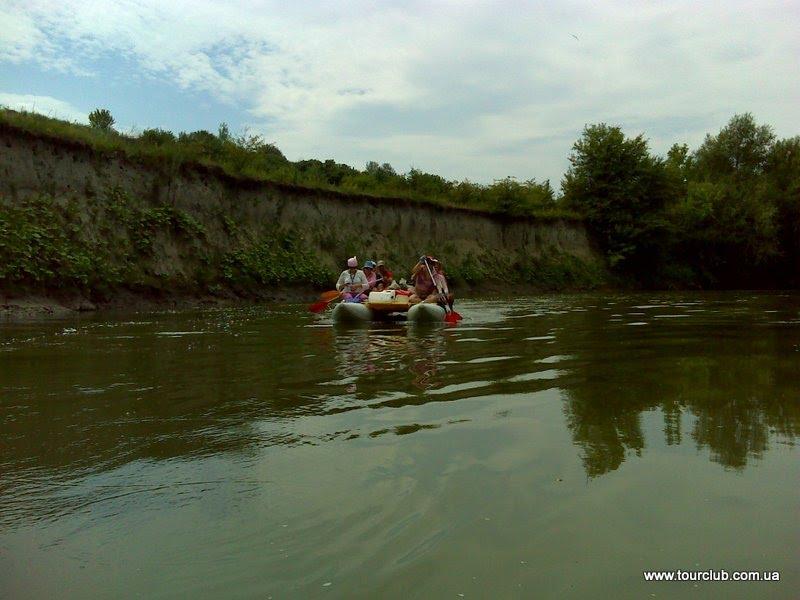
452 317
319 306
329 295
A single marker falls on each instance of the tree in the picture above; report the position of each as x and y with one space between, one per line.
100 118
202 142
316 172
511 197
381 173
679 161
783 163
622 190
157 137
783 171
426 184
465 193
224 133
734 234
740 150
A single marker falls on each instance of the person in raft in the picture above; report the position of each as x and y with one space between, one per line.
385 279
441 280
352 282
425 288
370 274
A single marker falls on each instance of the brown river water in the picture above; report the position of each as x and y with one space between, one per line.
549 447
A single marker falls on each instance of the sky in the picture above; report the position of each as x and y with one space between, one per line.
467 90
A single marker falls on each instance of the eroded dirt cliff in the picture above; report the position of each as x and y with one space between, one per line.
103 224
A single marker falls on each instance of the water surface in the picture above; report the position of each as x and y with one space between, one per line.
552 447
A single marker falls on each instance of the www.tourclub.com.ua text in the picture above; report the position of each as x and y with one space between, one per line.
712 575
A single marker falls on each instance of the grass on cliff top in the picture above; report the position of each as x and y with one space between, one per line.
250 157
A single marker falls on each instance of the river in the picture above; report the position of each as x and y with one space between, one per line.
549 447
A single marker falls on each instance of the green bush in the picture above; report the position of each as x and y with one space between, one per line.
278 257
101 119
157 137
40 245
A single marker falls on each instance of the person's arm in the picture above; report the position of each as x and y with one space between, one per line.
442 283
342 281
412 280
361 282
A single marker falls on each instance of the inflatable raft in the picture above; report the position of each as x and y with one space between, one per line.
351 312
385 306
379 306
426 313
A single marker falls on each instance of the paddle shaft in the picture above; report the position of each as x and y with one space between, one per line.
442 295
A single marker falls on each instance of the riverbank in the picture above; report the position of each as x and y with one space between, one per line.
23 306
104 228
32 307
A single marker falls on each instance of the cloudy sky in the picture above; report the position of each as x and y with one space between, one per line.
476 90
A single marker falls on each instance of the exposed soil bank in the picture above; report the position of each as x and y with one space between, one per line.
98 229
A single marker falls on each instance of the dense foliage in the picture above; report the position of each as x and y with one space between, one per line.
725 215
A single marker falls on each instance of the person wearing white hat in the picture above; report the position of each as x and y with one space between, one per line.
352 282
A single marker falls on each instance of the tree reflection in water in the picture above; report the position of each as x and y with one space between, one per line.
731 392
731 389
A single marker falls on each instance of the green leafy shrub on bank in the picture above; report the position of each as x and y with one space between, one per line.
563 272
279 257
148 222
48 244
552 273
41 244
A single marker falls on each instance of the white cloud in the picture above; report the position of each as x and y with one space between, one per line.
19 36
45 105
478 90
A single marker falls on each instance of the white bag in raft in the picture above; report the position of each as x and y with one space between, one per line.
382 297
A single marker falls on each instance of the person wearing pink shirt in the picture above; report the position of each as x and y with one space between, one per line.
370 274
